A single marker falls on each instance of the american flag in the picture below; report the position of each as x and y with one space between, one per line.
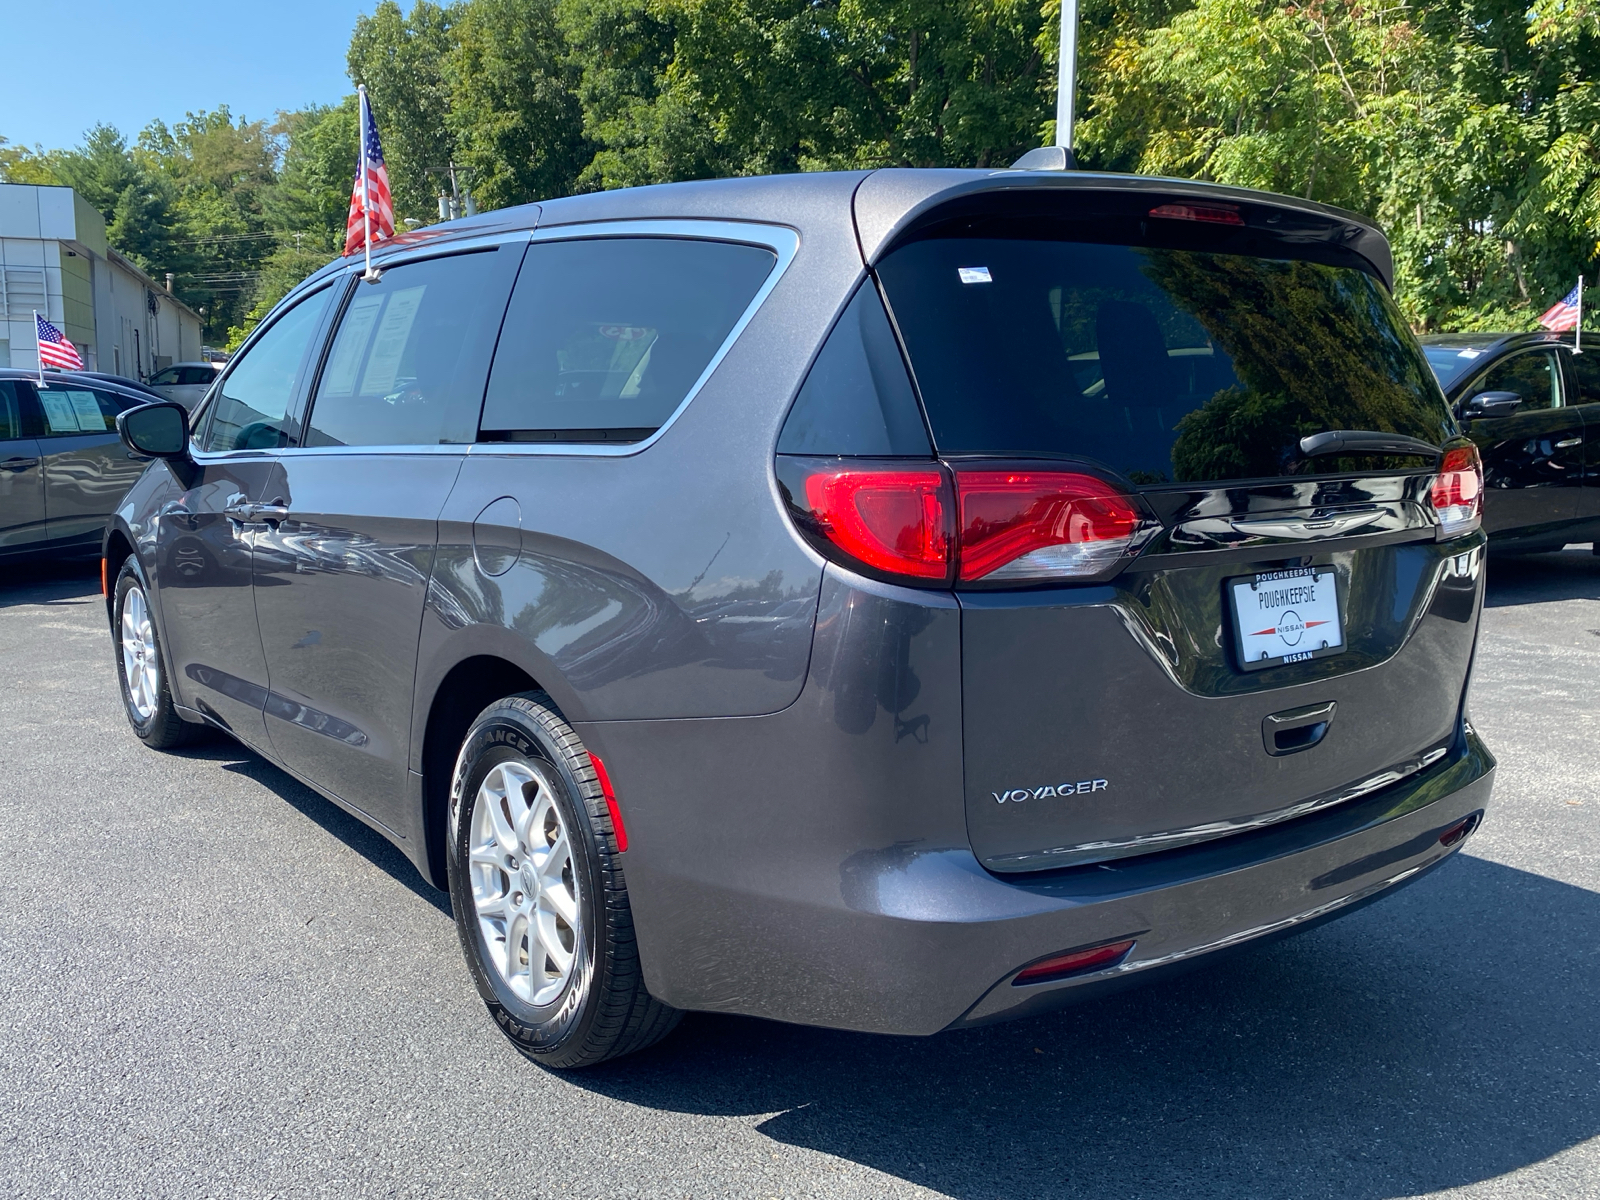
382 216
54 349
1564 314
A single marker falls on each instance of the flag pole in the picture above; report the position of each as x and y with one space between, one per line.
1577 332
366 200
39 348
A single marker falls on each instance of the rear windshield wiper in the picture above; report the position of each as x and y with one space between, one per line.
1362 441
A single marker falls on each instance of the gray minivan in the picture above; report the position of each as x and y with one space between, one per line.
893 600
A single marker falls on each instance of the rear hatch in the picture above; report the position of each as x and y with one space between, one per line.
1263 590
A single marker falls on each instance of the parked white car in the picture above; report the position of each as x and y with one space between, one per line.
187 382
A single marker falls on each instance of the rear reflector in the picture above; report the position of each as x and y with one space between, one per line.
1458 491
1077 962
1028 525
1215 214
1458 832
894 520
603 777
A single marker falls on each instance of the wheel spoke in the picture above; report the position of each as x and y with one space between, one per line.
489 855
550 940
561 902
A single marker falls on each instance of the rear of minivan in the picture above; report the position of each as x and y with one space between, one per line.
1213 538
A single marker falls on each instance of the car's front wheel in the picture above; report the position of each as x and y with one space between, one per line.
538 892
146 697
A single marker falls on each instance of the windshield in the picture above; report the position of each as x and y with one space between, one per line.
1163 365
1450 363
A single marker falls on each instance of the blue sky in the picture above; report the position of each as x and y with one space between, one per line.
129 64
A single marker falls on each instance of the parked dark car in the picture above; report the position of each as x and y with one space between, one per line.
894 600
1532 406
62 467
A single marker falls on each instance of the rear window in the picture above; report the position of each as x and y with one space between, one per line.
605 337
1165 365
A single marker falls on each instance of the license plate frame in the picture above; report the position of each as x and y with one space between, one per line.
1301 599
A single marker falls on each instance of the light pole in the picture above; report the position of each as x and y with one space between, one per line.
1066 87
1059 156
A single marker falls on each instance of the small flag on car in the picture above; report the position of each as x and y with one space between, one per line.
1565 314
371 217
54 349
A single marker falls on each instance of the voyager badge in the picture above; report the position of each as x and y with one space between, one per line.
1018 795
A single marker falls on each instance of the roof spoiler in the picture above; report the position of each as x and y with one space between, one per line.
1047 158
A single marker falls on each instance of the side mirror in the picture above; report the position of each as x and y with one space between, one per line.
155 430
1492 404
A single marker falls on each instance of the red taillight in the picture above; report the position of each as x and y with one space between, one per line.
1215 214
1458 491
604 779
1077 962
894 520
1023 525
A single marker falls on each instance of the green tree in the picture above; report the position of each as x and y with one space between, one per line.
514 113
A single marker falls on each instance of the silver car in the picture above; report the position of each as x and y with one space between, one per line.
187 382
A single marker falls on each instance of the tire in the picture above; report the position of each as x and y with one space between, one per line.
523 780
146 697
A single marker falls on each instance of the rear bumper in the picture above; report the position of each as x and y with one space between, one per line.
1187 905
813 865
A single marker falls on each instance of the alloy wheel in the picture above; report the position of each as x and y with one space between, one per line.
141 669
524 884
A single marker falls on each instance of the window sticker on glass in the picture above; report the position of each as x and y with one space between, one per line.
383 367
58 411
87 412
974 274
351 345
1469 353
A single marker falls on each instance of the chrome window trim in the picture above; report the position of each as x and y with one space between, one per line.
202 412
410 254
783 241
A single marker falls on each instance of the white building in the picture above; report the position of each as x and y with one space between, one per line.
54 258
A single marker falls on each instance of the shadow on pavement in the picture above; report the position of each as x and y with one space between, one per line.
57 581
1535 578
365 841
1443 1037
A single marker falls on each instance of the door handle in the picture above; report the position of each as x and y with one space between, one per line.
271 512
18 464
1297 729
1564 443
240 510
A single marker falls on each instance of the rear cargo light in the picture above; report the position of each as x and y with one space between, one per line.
1458 491
896 520
1028 525
1076 962
1215 214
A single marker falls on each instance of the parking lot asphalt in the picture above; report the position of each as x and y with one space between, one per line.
214 983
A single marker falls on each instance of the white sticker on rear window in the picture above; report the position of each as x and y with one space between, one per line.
974 274
1469 354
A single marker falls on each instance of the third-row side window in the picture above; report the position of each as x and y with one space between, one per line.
606 336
